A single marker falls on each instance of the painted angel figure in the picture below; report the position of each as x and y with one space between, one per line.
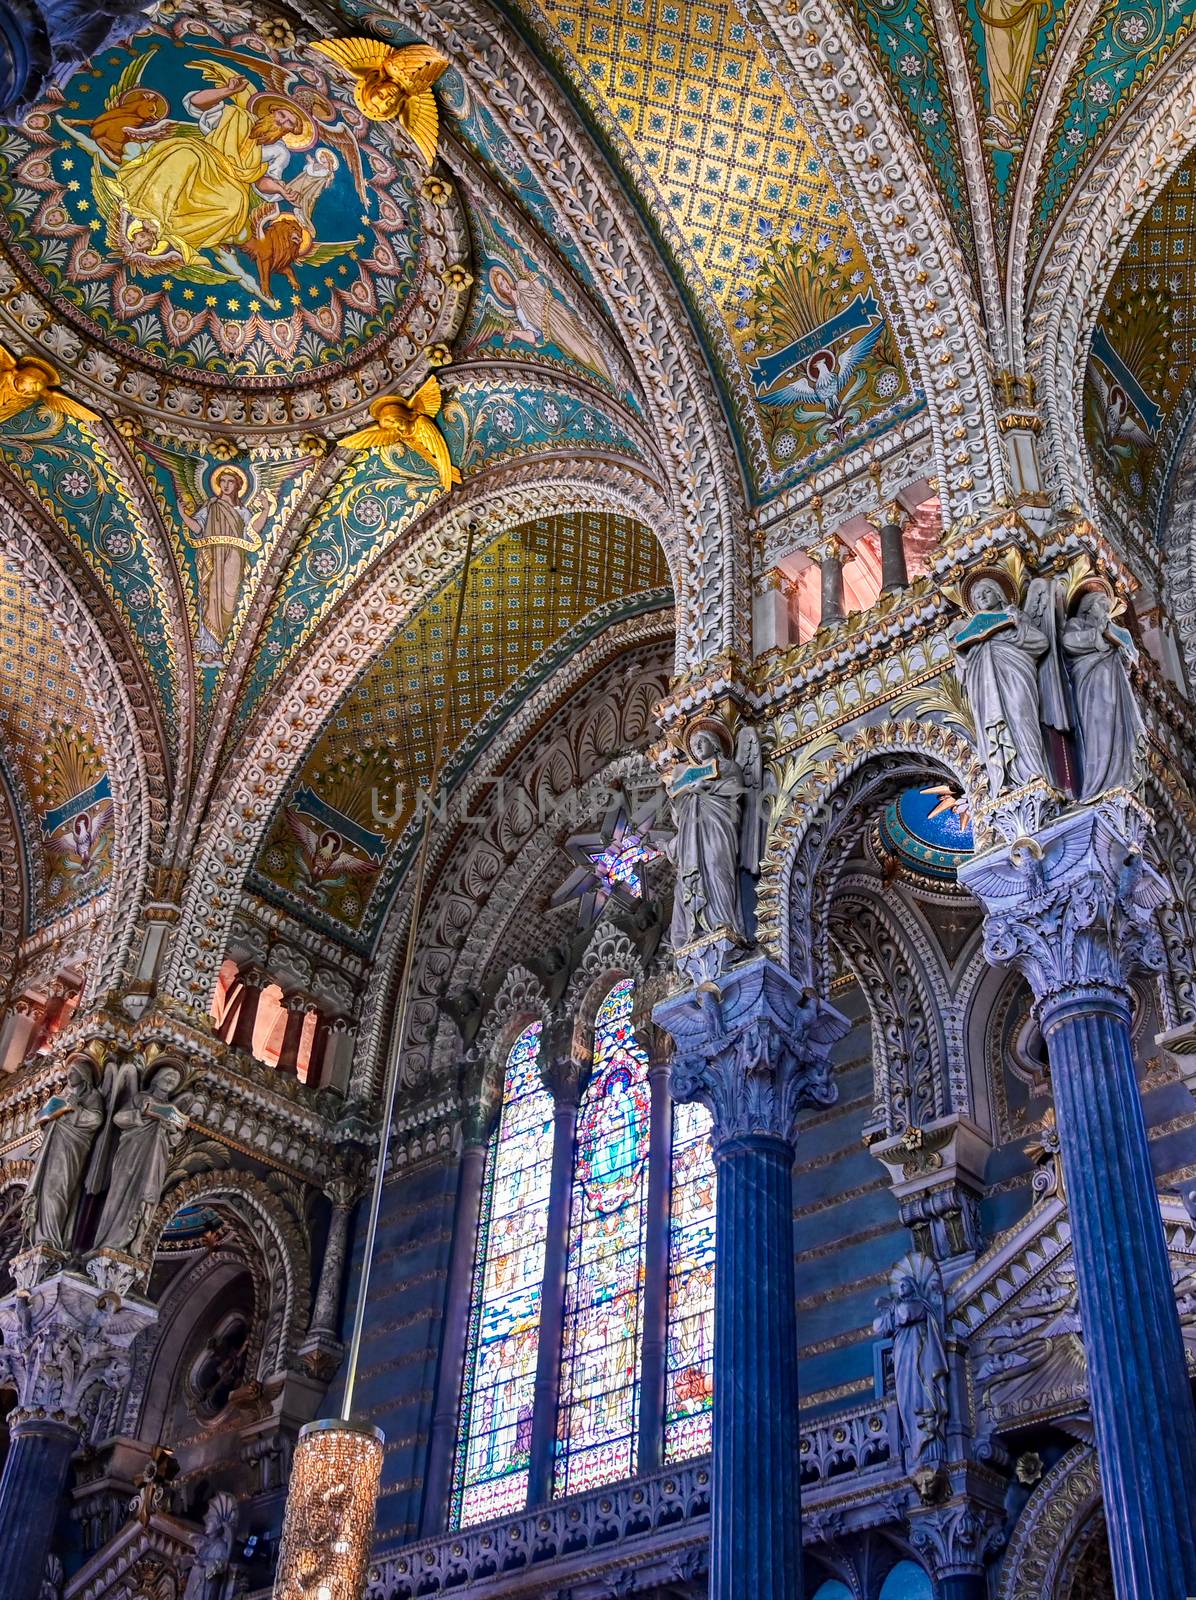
716 802
224 510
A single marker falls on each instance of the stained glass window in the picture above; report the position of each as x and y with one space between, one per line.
504 1335
689 1362
604 1290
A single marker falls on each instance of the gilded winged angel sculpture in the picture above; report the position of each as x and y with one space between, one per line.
407 425
392 81
29 381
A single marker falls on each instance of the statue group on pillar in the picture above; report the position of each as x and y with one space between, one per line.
1040 672
111 1132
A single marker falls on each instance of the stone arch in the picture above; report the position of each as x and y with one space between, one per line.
1058 1513
1082 254
136 763
811 808
279 1243
15 893
286 727
451 902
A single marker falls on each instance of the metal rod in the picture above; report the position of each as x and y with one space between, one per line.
392 1074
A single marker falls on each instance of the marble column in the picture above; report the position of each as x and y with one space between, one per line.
477 1125
752 1046
322 1348
831 555
564 1077
894 574
1072 909
296 1006
955 1541
63 1338
241 1035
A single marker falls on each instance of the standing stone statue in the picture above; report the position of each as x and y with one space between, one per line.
69 1123
715 800
999 649
210 1569
1111 727
912 1316
150 1130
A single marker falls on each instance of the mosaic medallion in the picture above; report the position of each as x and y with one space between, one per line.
207 200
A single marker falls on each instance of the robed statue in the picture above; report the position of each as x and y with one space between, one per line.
1011 668
211 1568
912 1315
1111 730
70 1122
150 1129
715 800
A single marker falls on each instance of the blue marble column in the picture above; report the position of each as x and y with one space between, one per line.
1071 907
63 1338
31 1498
753 1048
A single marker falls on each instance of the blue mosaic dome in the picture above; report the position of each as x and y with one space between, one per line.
922 831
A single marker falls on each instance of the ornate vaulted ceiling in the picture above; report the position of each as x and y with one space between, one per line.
535 595
657 277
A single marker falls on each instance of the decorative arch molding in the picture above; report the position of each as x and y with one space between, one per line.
905 223
1177 532
15 894
1063 60
465 937
713 576
808 822
909 1074
1085 247
127 726
1174 848
1057 1514
286 727
281 1246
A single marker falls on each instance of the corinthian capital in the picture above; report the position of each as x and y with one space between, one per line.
1073 906
753 1048
63 1340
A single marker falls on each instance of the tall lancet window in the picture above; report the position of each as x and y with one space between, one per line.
598 1417
504 1334
689 1362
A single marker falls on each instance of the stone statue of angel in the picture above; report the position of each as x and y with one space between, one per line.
1101 653
913 1316
999 649
151 1127
715 797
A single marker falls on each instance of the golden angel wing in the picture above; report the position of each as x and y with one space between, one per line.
65 406
374 438
355 55
422 121
425 402
428 441
417 66
216 73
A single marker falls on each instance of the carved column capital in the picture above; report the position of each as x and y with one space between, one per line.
64 1339
957 1539
753 1048
1073 906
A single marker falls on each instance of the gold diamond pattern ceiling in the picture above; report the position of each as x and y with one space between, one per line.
52 752
747 208
328 849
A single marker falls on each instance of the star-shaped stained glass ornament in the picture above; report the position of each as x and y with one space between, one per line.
609 863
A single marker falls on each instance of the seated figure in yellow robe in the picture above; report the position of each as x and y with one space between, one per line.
195 190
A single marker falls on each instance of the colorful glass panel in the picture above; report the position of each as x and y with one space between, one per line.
604 1289
689 1361
504 1335
618 863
